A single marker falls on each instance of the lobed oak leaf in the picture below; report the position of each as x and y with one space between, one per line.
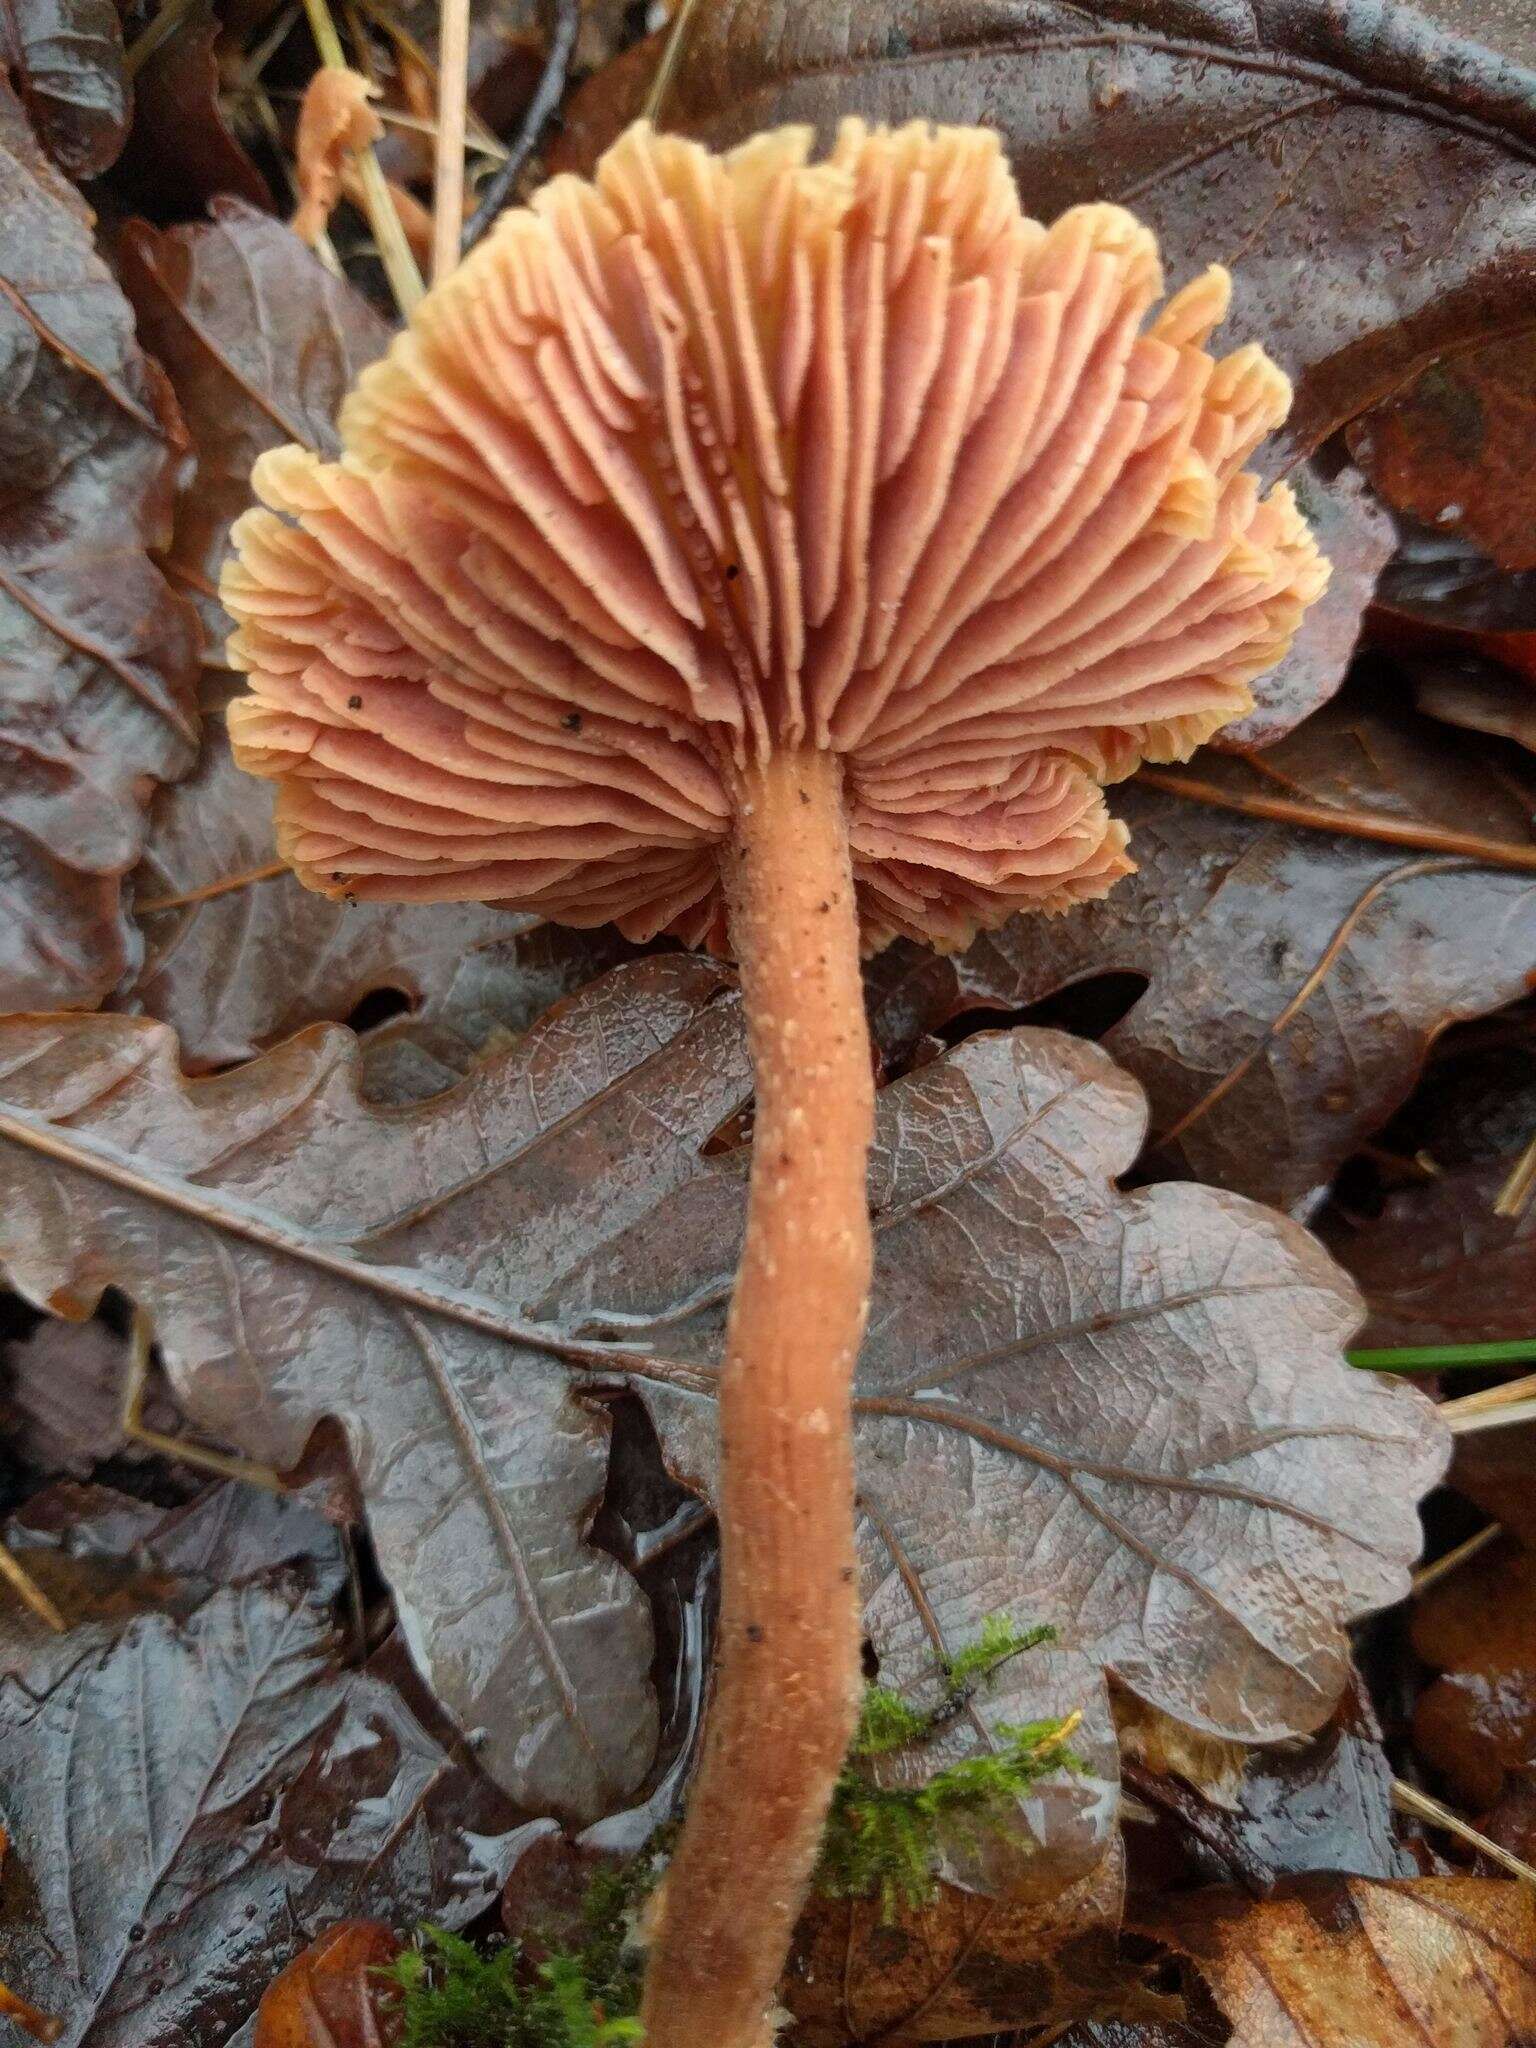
1126 1415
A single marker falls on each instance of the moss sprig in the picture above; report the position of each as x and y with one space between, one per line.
454 1995
884 1842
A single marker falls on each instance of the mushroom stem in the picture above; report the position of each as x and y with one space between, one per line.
788 1672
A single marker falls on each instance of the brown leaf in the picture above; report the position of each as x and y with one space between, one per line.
1477 1722
181 152
1438 1265
1321 1804
1346 1962
98 671
961 1967
1366 175
1479 695
1458 448
261 343
1296 976
65 58
1140 1428
331 1996
189 1806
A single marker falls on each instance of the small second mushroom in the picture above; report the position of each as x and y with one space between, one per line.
783 555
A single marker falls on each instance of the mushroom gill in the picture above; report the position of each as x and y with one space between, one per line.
783 555
720 455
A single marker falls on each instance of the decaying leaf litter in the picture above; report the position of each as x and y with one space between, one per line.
1326 1014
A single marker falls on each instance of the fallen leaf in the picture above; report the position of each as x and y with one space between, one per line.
105 1560
1324 1803
1141 1427
261 344
181 152
330 1996
62 1392
1438 1265
1346 1962
1365 175
1296 976
238 1793
1476 1723
65 58
961 1967
97 673
1458 447
1478 695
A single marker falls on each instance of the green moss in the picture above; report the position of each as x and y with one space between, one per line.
453 1995
883 1841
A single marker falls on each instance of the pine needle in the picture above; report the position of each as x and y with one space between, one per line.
1409 1799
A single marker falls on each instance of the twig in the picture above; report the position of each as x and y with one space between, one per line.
666 70
1431 1574
1408 1799
1493 853
1492 1418
1515 1195
546 98
448 164
132 1424
28 1590
394 250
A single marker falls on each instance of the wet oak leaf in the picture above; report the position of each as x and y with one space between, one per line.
260 343
1385 157
1138 1425
97 655
336 1258
1126 1416
1348 1962
239 1793
1296 977
182 153
66 61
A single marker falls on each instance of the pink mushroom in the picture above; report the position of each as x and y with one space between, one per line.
782 555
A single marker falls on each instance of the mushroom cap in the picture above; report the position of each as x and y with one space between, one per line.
720 454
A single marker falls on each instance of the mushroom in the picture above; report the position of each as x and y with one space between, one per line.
781 555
